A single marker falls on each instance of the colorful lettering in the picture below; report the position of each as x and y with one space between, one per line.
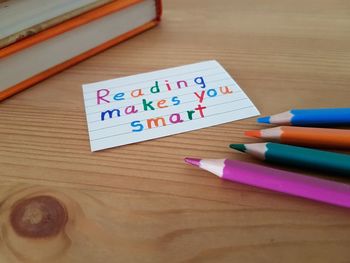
101 97
190 114
155 121
137 124
200 108
200 81
179 84
177 118
200 96
130 110
175 100
139 93
147 105
155 88
167 85
227 90
160 104
119 96
212 93
110 114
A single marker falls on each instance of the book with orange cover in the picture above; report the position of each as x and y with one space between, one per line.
20 19
35 58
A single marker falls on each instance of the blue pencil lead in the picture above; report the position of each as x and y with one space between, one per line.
263 119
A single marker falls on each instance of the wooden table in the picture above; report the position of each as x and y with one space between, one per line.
141 203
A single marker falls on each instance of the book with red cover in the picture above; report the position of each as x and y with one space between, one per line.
35 58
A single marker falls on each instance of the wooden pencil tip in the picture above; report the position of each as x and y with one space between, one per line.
193 161
253 133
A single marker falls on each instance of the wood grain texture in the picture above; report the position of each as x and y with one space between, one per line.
141 203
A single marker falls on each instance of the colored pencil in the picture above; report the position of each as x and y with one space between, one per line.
335 163
310 117
277 180
305 136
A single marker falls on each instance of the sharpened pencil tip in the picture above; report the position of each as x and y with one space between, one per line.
263 119
193 161
238 147
253 133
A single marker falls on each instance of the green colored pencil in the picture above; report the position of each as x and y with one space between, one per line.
335 163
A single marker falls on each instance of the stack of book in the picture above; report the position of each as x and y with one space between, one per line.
39 38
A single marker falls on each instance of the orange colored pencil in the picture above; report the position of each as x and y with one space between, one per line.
315 137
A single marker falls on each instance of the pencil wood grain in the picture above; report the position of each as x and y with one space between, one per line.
140 202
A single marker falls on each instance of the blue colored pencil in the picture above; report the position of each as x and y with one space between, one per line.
310 117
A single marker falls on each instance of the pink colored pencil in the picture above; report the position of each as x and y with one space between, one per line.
314 188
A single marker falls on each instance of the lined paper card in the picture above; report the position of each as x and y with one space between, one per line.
161 103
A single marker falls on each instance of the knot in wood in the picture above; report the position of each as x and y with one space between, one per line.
38 217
